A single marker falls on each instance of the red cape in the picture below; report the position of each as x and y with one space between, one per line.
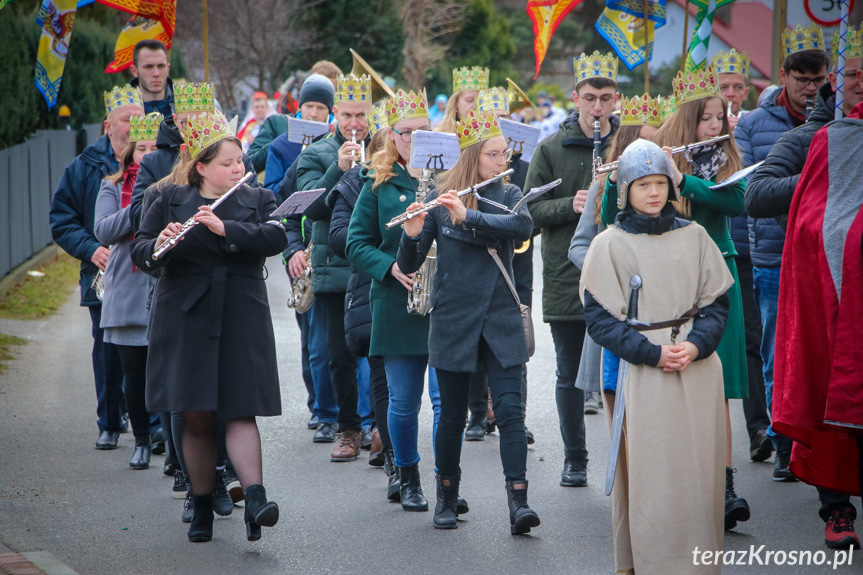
818 362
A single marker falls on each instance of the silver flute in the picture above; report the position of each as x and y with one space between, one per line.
409 215
610 167
171 242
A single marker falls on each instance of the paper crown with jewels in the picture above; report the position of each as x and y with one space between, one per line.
492 100
669 106
691 86
205 129
853 44
731 62
353 88
595 66
474 78
378 118
144 128
641 111
122 96
476 127
407 106
800 38
194 97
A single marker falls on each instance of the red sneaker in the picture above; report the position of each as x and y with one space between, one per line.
839 533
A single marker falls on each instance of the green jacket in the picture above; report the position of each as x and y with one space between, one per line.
710 208
273 127
371 248
566 154
318 167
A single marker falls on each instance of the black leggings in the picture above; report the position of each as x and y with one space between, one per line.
134 362
380 399
505 385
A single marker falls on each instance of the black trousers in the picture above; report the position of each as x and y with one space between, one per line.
505 385
755 406
568 339
478 394
343 364
380 399
134 362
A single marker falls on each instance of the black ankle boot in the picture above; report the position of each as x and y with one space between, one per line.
411 491
259 512
140 457
447 496
201 529
521 517
736 508
393 480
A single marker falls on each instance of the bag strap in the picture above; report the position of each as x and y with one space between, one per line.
493 253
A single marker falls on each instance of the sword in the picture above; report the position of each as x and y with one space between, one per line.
619 400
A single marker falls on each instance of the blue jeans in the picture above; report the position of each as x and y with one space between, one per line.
364 401
326 405
766 285
108 373
406 380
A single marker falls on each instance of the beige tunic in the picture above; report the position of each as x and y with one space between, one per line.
668 495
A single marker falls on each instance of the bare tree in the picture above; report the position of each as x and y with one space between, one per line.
430 26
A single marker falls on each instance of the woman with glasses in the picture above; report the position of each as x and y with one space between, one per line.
475 317
399 337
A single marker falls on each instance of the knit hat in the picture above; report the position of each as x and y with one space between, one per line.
318 88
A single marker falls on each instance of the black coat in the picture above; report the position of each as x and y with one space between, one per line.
211 335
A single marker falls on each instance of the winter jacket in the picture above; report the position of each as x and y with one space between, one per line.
567 154
281 155
73 209
273 127
771 187
756 133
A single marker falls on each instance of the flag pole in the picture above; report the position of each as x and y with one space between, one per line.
206 46
646 53
840 65
685 36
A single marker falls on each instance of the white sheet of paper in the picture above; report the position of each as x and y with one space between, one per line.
434 150
305 131
737 176
521 138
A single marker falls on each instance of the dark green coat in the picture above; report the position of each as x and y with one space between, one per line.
272 128
372 249
566 154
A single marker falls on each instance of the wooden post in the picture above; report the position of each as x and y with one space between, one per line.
206 46
779 20
646 53
685 37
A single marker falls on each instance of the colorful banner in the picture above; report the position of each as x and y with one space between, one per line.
622 25
138 28
546 16
696 54
53 48
43 9
164 11
3 3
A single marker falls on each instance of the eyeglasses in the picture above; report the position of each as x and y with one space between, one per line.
406 136
803 81
604 99
499 157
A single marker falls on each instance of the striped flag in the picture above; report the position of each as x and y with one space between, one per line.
137 29
546 16
696 55
164 11
58 18
622 25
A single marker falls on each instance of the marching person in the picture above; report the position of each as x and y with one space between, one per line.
151 67
466 84
210 296
476 316
401 338
126 297
669 463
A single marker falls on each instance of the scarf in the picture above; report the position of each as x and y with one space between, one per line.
126 194
797 118
707 160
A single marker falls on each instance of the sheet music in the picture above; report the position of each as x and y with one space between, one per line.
297 203
736 176
534 192
521 138
305 131
434 150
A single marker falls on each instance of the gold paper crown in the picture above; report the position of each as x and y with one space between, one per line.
122 96
669 106
194 97
731 62
800 38
641 111
354 89
595 66
690 86
464 78
378 117
144 128
493 99
475 128
853 44
205 129
407 106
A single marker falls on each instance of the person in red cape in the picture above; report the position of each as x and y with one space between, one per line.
818 388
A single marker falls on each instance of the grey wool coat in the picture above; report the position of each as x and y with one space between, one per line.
127 292
470 298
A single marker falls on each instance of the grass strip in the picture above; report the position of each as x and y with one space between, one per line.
7 342
39 297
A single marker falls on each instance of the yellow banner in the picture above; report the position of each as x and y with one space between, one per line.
54 47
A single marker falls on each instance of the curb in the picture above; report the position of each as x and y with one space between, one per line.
16 276
31 563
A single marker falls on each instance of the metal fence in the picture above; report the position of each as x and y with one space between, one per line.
29 174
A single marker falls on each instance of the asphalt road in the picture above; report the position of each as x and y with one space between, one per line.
58 494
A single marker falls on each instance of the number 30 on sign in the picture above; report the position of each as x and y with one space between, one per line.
826 13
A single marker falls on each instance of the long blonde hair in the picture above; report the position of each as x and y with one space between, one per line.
464 174
450 115
680 129
382 163
621 140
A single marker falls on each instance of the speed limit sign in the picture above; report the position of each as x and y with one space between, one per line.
826 13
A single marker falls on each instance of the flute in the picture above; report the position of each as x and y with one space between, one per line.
610 167
191 223
402 218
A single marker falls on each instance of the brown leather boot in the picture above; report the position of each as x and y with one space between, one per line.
376 453
348 446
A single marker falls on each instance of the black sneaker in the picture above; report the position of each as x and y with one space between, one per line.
781 471
232 482
574 474
158 441
222 503
366 438
180 488
188 508
326 433
761 446
529 434
476 427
